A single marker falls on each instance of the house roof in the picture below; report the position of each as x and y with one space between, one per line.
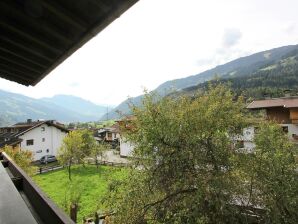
25 127
12 138
291 102
36 36
12 142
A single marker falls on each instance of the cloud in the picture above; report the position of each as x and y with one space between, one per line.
204 61
290 28
74 84
231 37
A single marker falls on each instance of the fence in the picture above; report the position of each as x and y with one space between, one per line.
46 169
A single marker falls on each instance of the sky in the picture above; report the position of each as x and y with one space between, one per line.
160 40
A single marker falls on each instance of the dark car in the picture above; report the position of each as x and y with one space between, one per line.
48 159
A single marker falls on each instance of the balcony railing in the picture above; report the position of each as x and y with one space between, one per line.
41 207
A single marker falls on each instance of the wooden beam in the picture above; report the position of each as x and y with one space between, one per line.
16 46
65 15
33 37
12 10
18 70
14 77
19 63
27 58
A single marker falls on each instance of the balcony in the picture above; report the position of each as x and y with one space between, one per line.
21 201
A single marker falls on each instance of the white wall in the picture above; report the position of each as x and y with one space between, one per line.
126 148
248 135
248 138
53 140
292 128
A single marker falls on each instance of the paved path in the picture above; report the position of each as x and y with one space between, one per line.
111 156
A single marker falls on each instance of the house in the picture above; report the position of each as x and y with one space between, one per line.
42 137
283 110
108 134
126 147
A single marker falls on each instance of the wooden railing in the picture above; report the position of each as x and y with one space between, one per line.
46 210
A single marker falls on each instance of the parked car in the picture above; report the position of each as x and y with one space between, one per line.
48 159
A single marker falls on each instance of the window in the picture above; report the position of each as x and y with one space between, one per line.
43 139
43 128
39 151
48 150
29 142
109 135
285 129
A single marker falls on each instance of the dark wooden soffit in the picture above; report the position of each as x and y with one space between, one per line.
37 35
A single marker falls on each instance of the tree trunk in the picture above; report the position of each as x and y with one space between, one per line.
96 221
74 211
69 170
96 162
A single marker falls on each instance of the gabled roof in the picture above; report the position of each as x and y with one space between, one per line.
36 36
12 142
39 123
291 102
24 127
12 138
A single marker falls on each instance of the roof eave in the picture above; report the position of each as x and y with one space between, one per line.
98 27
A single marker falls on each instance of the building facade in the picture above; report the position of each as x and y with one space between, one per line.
283 111
40 137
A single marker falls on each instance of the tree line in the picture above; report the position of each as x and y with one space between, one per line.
273 80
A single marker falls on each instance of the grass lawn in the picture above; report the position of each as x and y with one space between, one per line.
92 185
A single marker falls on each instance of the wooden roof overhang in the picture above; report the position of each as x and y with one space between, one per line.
274 103
37 35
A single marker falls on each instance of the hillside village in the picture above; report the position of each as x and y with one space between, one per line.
44 137
219 146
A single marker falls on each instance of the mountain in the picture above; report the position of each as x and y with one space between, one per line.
16 107
272 80
78 104
237 68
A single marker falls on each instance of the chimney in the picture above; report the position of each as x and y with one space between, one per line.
29 121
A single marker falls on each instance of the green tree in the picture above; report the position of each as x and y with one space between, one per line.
98 150
23 158
88 143
273 175
70 151
185 160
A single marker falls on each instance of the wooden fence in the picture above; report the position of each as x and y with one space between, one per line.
46 169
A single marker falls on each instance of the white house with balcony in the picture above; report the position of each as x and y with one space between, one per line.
40 137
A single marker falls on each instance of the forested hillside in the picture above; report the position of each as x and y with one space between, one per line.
272 80
251 72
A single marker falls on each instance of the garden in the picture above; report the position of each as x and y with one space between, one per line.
87 188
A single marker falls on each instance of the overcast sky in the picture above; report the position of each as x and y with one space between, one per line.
160 40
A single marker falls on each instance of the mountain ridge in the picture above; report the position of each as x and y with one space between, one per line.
17 107
239 67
